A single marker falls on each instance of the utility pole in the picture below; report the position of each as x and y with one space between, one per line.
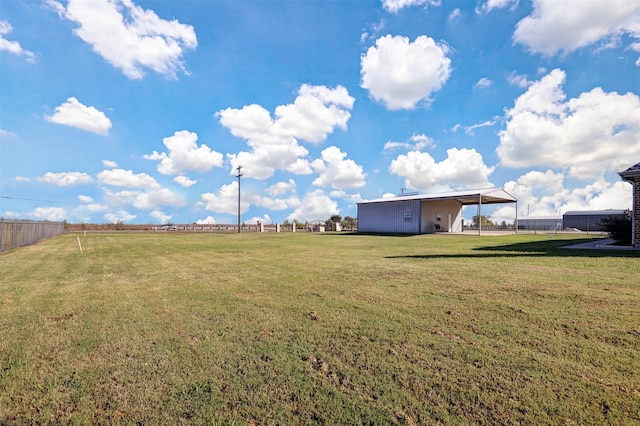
238 176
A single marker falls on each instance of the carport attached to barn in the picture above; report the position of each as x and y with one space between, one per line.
425 213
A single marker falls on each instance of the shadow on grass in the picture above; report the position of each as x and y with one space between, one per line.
554 248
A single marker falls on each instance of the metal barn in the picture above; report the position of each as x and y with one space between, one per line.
425 213
590 220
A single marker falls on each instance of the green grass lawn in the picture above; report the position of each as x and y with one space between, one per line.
329 329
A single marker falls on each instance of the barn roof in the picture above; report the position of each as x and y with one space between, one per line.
468 197
631 172
595 212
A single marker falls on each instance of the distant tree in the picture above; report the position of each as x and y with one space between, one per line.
330 223
619 229
484 221
349 222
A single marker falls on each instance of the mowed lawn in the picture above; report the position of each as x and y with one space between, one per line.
301 328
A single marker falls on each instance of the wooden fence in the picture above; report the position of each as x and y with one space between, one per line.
16 233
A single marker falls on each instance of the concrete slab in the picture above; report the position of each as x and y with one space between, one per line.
603 244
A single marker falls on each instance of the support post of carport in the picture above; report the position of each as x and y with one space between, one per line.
479 214
516 222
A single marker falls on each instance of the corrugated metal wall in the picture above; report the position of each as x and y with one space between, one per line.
394 217
588 222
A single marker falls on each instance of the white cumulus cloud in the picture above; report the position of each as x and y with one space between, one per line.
400 73
546 193
129 37
225 201
152 199
159 197
273 203
337 172
394 6
209 220
66 178
185 181
12 46
315 205
489 5
518 80
160 217
185 155
280 188
315 113
462 169
339 193
588 135
75 114
119 216
274 142
126 178
54 214
564 26
84 213
256 219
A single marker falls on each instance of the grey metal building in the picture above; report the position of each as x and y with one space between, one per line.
425 213
590 220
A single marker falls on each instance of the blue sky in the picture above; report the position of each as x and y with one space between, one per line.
140 111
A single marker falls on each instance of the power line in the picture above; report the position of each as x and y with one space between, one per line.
34 199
